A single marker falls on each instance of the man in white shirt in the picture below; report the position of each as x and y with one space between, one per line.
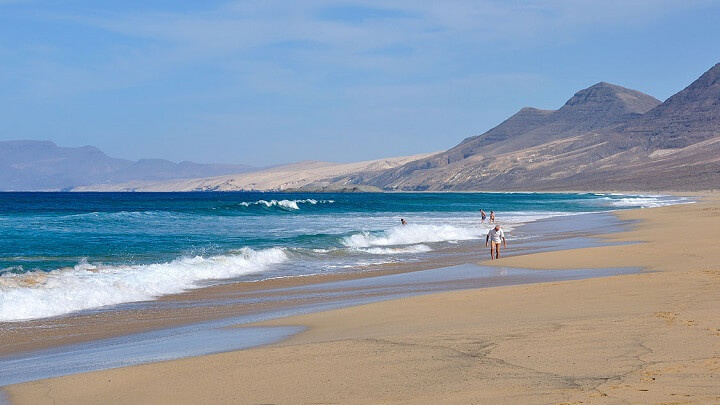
495 236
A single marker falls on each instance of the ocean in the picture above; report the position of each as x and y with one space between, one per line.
66 252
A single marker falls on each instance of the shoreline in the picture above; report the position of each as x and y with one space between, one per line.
148 316
648 337
121 330
241 332
209 301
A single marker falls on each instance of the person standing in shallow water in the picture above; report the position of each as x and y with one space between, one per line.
492 216
402 221
482 216
495 236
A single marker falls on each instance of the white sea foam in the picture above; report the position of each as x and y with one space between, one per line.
644 201
43 294
287 204
412 235
397 250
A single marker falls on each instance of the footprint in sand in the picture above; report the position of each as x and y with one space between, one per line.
667 370
714 331
666 315
712 273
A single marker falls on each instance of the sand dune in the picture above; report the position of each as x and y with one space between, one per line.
292 176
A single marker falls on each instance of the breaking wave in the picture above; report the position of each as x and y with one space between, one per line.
397 250
412 235
41 294
285 204
643 201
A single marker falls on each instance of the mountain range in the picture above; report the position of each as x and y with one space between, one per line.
605 137
42 165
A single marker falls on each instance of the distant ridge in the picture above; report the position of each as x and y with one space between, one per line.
478 162
593 108
42 165
688 117
605 137
308 176
604 104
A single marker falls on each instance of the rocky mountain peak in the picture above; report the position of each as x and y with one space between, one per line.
606 98
690 116
703 92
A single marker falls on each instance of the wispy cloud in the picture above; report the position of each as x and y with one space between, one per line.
359 33
403 36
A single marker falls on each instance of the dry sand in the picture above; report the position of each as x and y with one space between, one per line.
652 337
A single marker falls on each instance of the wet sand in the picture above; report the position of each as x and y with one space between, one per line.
228 334
652 337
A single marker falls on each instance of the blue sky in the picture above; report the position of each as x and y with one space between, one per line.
264 82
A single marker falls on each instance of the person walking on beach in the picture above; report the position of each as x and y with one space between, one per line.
482 216
492 216
494 237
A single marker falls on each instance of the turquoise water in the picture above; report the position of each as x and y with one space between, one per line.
63 252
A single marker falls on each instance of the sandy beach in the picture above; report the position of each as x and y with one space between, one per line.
652 337
253 202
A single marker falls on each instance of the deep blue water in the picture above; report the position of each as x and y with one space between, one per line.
61 252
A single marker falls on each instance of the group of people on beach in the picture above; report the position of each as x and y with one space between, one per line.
483 216
494 238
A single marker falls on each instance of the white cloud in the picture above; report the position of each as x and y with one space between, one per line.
439 30
274 45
